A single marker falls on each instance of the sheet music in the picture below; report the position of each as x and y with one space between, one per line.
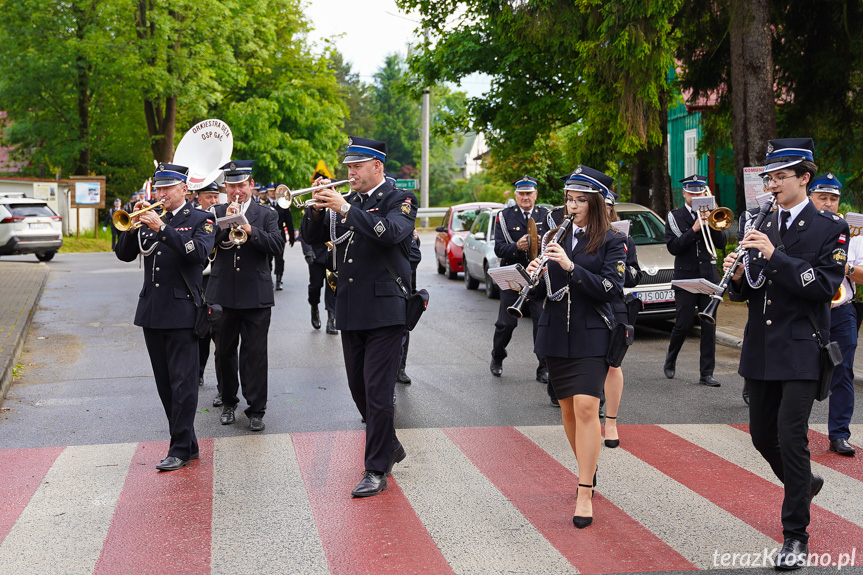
855 223
512 277
228 221
698 285
622 226
762 199
704 202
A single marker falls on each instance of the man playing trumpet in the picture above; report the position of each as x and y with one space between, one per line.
175 247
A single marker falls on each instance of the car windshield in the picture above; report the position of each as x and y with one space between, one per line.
645 228
463 220
30 210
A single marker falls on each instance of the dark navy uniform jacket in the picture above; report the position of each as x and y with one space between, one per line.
240 276
692 260
368 297
596 280
513 221
315 253
631 278
165 301
779 342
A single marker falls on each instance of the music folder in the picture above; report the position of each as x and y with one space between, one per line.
697 285
622 226
512 277
228 221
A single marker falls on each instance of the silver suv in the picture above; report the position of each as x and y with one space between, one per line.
29 226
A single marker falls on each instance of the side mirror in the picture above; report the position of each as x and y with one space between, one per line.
440 229
480 236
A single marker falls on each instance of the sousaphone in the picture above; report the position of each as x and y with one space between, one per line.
205 148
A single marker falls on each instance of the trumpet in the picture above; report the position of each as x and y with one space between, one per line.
515 309
123 220
238 235
719 219
285 196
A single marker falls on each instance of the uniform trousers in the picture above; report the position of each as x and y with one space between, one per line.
843 330
505 325
246 328
779 423
317 281
372 359
204 342
685 303
175 369
280 262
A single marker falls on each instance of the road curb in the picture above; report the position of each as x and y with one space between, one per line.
10 360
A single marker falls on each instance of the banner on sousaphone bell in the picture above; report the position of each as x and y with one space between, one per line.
204 149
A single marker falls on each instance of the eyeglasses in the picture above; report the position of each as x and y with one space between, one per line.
777 180
576 201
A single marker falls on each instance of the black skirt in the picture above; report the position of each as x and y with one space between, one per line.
577 376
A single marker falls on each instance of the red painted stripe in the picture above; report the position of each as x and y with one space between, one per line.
21 473
380 534
819 449
162 522
747 496
544 491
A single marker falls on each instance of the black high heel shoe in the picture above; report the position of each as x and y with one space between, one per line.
579 521
611 442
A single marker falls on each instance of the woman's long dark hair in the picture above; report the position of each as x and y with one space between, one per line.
597 222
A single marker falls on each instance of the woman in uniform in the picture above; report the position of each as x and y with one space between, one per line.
579 283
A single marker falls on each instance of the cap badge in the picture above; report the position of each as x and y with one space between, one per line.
233 166
161 167
350 141
577 170
769 147
829 176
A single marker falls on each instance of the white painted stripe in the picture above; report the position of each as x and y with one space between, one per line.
841 494
261 514
475 527
64 526
684 520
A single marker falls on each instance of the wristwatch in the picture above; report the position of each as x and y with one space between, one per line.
344 209
162 227
850 271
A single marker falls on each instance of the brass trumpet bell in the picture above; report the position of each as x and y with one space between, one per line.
720 219
123 220
238 235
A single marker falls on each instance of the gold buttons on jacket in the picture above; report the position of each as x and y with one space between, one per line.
769 322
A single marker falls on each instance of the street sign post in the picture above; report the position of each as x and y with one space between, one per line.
406 184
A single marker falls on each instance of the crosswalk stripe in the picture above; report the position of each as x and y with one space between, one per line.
380 534
476 528
689 523
261 508
162 521
63 527
545 492
21 472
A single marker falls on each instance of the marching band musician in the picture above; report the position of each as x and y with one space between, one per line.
240 282
824 193
511 246
794 264
370 231
584 275
208 196
614 380
175 251
286 226
316 256
692 259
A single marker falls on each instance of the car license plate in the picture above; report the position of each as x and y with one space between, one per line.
656 296
39 226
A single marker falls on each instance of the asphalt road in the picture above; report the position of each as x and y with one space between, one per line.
87 379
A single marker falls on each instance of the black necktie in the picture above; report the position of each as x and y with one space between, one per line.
783 227
168 216
526 215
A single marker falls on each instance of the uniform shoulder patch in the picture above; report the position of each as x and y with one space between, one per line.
621 268
190 246
839 257
380 228
607 284
807 277
208 227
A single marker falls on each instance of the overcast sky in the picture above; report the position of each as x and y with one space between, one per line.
370 30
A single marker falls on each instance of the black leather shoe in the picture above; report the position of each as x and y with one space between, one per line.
816 482
745 393
668 368
792 555
316 317
542 376
555 402
256 423
217 401
842 447
278 283
172 463
228 417
372 484
201 381
402 377
709 381
496 367
331 324
398 455
194 456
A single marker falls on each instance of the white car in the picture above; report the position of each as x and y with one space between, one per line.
29 226
479 254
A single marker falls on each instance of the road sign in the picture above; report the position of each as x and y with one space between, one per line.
406 184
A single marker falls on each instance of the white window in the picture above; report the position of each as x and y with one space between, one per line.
690 158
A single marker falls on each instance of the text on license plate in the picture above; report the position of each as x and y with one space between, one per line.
39 226
656 296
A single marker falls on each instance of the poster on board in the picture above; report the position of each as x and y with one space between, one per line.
88 192
753 186
47 191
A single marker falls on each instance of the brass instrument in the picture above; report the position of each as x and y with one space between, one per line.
238 235
532 240
332 276
123 220
718 219
285 196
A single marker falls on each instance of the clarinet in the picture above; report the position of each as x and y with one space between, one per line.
709 313
515 309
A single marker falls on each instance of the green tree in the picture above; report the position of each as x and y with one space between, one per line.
397 114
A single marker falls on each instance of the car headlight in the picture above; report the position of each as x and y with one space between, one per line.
458 241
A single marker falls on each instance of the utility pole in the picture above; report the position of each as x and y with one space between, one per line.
424 174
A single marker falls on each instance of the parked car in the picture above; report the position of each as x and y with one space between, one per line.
451 234
648 232
479 256
29 226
